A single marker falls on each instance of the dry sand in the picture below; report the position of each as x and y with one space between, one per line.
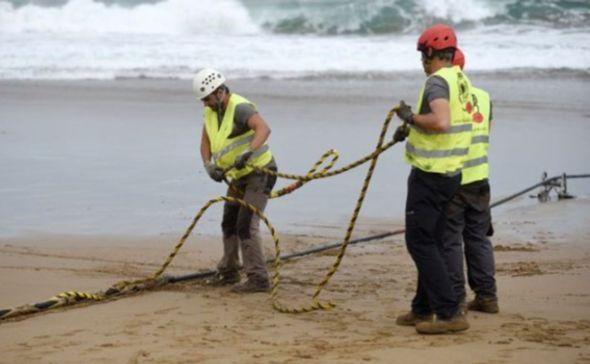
543 272
100 178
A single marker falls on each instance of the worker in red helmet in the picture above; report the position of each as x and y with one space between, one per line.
469 221
438 139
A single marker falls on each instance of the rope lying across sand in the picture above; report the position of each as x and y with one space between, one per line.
157 279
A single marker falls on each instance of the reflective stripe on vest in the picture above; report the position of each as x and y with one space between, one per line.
475 162
452 130
480 139
438 153
476 166
233 145
225 150
444 151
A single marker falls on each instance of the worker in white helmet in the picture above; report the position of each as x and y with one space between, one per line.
233 142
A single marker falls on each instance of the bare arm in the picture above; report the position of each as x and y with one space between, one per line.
437 120
261 131
205 146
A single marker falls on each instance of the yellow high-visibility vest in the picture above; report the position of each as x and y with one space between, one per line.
444 151
225 150
475 167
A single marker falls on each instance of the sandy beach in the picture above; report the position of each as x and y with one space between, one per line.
543 278
100 179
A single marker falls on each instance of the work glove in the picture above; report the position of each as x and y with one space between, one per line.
401 133
242 159
214 172
405 112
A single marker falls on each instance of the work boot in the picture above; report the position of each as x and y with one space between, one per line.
487 305
252 286
411 319
440 326
223 279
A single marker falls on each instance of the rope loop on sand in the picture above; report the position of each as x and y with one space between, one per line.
157 279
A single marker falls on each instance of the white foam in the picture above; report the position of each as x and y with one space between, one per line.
105 56
167 17
458 10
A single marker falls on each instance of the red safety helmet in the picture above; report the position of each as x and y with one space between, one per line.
459 58
437 37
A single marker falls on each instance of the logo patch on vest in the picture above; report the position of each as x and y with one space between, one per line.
477 117
463 87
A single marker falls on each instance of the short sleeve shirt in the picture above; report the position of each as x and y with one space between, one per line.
436 88
242 114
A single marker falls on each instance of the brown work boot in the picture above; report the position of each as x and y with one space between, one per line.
440 326
252 286
223 279
487 305
411 319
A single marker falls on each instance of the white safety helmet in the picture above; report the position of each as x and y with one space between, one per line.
206 81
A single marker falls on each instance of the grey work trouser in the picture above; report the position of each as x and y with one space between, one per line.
468 222
240 227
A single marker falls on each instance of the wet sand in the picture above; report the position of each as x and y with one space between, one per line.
100 179
543 278
121 157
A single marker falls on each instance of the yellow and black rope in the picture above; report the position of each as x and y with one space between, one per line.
118 288
316 304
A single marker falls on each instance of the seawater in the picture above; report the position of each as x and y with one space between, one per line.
91 39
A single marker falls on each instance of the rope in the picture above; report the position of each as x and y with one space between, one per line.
156 278
316 304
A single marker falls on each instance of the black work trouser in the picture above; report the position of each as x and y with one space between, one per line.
468 223
428 196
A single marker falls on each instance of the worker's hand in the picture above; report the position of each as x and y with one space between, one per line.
242 159
401 133
214 172
405 112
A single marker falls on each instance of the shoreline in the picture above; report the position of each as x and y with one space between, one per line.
500 73
121 157
110 172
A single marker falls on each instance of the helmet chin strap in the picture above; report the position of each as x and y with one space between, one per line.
427 64
219 103
219 106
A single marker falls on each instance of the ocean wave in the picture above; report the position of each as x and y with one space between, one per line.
279 56
320 17
100 17
107 39
401 16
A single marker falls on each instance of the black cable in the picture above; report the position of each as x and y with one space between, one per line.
286 257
